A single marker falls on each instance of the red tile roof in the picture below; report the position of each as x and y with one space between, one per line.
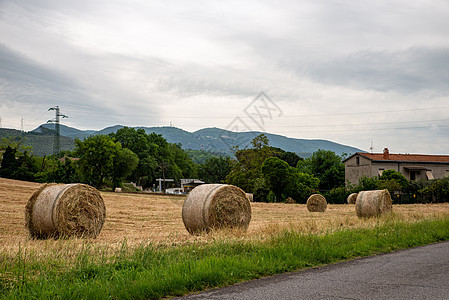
406 157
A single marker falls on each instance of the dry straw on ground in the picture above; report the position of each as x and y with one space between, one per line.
57 210
316 203
373 203
352 198
211 206
143 218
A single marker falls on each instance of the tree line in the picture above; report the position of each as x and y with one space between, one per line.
269 173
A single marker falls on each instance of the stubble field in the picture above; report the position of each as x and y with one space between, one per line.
143 218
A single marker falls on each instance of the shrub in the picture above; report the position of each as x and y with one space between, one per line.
337 195
439 190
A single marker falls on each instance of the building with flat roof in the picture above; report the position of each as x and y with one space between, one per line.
189 184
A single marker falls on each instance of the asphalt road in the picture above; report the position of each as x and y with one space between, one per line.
417 273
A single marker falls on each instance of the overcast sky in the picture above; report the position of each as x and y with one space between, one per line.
359 73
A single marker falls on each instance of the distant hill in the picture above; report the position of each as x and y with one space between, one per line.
65 131
209 139
219 138
41 142
221 141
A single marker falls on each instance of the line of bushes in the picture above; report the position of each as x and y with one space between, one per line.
402 191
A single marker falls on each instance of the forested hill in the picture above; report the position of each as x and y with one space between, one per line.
208 139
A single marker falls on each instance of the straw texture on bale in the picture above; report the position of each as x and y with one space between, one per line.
352 198
316 203
290 200
373 203
211 206
65 210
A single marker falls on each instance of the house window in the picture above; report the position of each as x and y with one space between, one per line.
414 175
357 161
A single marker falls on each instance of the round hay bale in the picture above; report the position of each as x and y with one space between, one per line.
250 197
64 210
118 190
211 206
352 198
290 200
316 203
373 203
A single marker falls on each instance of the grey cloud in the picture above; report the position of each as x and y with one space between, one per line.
27 83
406 71
32 79
183 86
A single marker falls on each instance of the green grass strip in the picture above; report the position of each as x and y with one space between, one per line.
150 272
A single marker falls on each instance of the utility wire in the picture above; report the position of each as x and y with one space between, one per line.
361 124
367 129
247 117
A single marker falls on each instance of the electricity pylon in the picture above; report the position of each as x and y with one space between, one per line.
57 143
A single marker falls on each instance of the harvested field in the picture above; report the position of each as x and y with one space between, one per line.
141 218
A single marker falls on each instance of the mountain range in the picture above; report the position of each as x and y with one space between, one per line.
207 139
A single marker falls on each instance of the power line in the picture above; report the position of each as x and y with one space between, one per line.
370 129
248 117
361 124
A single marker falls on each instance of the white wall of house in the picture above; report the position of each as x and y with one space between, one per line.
357 167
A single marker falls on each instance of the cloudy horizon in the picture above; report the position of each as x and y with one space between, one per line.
356 73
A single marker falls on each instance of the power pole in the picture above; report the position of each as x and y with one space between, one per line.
57 143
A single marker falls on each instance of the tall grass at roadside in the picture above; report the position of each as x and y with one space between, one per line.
152 271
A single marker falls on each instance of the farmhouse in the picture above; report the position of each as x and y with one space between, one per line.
412 166
189 184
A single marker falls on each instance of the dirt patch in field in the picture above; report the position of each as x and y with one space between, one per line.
140 218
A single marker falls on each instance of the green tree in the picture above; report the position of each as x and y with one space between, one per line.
338 195
215 169
57 170
260 190
277 175
290 157
366 184
201 156
326 166
301 186
393 181
260 141
96 158
437 191
26 167
157 157
68 172
390 184
139 142
17 165
124 163
182 161
247 168
17 143
9 162
285 181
